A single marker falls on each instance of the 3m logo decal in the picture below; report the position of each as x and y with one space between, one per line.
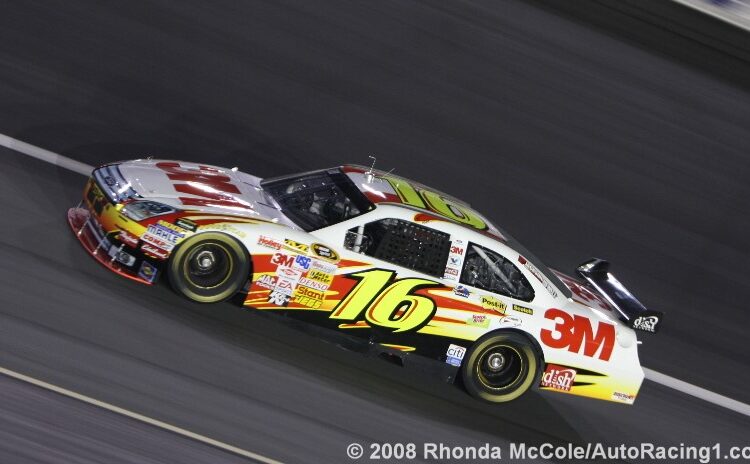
281 259
386 302
213 187
573 331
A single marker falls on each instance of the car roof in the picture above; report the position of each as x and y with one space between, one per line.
384 187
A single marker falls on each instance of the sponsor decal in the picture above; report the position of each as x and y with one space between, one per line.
314 284
479 320
455 259
301 247
510 321
623 397
647 323
455 355
289 273
120 256
267 281
310 293
490 302
558 377
307 301
269 242
179 231
127 238
450 273
285 286
462 291
147 271
157 242
319 276
154 252
282 260
224 227
324 267
324 252
161 236
523 309
539 276
278 298
302 262
309 297
186 224
574 332
109 180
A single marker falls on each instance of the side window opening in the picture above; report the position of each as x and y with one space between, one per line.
487 270
318 199
402 243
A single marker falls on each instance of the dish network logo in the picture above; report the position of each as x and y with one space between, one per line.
212 186
574 331
558 377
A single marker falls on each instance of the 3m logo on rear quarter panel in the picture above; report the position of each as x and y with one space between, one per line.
572 331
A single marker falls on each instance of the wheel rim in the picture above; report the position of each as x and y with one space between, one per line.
208 265
500 367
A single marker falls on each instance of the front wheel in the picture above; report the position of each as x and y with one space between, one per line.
500 367
209 267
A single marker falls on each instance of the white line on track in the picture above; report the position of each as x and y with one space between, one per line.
85 169
45 155
133 415
698 392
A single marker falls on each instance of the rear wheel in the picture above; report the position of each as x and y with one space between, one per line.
500 367
209 267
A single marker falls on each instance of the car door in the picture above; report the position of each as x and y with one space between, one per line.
390 294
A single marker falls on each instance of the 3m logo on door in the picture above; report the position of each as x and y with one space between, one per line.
573 332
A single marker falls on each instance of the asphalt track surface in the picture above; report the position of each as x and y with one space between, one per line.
578 141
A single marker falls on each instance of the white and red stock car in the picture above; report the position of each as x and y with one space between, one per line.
415 275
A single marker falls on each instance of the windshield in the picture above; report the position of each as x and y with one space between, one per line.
317 199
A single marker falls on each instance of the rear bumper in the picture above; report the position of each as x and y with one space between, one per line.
109 252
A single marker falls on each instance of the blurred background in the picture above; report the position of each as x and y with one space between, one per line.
592 128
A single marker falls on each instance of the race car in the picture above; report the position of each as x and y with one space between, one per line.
410 273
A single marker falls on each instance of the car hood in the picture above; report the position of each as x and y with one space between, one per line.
201 187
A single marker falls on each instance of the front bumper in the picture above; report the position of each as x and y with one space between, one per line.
108 251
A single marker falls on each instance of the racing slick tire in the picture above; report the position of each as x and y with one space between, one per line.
500 367
209 267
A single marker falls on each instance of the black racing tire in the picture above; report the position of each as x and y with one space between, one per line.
209 267
500 367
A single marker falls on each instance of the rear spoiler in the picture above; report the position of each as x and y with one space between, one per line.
631 311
